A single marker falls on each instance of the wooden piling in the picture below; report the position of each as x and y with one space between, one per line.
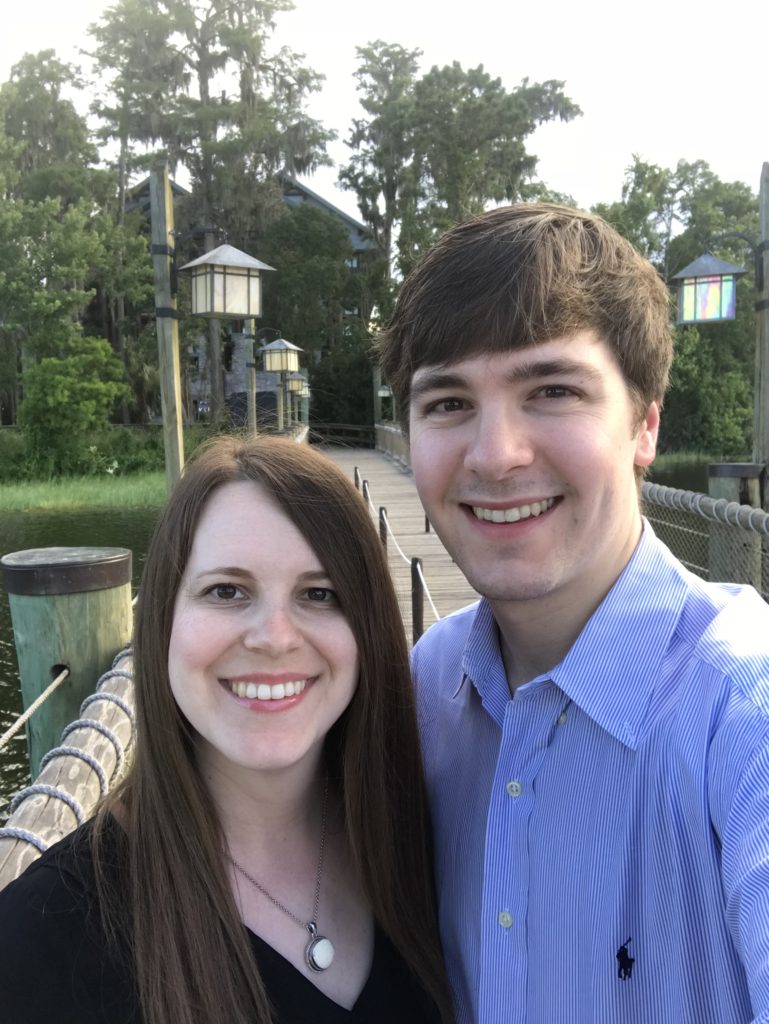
70 607
735 555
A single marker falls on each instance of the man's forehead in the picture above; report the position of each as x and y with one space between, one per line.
557 353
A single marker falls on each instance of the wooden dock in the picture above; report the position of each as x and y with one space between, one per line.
393 487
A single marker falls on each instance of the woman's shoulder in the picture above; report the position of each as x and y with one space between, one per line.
60 879
52 946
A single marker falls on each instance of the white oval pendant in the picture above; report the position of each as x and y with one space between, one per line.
319 953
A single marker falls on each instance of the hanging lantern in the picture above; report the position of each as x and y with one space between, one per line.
226 283
281 356
707 290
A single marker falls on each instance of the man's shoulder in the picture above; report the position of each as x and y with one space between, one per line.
450 632
735 641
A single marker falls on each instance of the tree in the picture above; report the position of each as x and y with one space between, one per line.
380 170
438 148
672 216
233 113
313 295
55 156
65 398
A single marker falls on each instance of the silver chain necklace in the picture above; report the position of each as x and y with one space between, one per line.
319 951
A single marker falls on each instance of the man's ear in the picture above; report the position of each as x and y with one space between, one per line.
646 437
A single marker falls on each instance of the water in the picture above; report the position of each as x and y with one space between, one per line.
95 527
688 475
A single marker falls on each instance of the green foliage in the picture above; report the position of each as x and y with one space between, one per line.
439 148
55 155
14 461
709 405
341 384
672 216
313 288
65 398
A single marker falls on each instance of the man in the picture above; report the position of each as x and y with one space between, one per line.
596 730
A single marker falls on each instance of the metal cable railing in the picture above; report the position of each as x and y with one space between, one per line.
719 540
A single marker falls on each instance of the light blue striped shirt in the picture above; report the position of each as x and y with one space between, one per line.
602 837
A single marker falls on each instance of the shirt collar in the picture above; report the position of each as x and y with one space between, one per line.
612 668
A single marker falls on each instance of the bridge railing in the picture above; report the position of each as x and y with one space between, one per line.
93 753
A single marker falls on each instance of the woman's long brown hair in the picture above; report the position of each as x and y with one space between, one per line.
193 961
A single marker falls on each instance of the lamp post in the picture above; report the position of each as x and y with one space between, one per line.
227 284
281 357
295 382
706 293
304 398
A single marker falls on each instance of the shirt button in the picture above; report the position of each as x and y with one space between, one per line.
505 919
514 788
562 718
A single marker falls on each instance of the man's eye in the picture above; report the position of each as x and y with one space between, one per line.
447 405
557 391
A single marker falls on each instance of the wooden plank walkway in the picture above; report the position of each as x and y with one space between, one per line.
392 487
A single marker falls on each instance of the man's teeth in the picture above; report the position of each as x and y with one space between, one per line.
261 691
512 515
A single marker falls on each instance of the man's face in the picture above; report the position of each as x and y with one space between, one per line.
524 462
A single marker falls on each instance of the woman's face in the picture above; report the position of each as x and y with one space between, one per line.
261 660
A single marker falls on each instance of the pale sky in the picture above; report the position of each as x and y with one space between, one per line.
660 78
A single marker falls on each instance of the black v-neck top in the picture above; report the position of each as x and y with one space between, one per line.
56 967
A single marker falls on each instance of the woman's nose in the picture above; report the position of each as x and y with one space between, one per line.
272 629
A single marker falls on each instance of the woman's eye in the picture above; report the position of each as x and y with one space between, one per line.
224 592
321 595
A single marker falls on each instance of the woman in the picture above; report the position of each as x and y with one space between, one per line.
276 782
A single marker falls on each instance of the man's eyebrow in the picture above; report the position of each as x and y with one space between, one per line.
441 379
435 380
537 369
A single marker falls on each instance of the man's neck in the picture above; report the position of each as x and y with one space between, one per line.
536 634
533 639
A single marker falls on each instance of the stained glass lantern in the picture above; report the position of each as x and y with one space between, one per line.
707 290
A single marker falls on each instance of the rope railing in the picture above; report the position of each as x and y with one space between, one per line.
7 736
419 588
91 756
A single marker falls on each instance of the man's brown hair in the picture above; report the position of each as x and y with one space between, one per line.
521 275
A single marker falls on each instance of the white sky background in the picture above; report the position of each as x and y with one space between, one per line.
660 78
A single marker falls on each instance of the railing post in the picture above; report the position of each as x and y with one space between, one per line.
70 607
356 478
417 600
734 555
383 526
427 525
364 489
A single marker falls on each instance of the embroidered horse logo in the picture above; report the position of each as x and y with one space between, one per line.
625 961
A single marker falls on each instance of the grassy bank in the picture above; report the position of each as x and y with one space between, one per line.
144 490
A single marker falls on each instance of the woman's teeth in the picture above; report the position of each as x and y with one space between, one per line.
262 691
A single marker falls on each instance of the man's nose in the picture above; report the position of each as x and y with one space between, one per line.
500 443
